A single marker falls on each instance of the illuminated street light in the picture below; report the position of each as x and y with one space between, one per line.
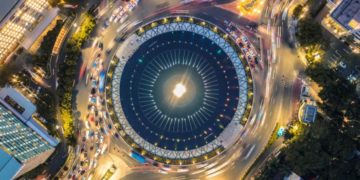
179 90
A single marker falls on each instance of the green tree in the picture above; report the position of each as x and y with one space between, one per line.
5 74
297 11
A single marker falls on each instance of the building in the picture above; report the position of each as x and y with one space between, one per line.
24 144
344 19
307 113
21 23
9 166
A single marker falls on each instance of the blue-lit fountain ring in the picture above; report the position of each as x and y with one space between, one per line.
167 52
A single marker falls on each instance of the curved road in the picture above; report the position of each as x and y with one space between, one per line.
273 100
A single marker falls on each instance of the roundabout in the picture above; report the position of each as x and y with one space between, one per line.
180 91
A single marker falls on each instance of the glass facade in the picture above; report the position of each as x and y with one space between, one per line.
18 139
24 19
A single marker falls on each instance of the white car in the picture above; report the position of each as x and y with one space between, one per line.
87 134
112 18
93 109
101 139
117 10
123 19
87 124
342 64
104 149
117 19
95 163
91 163
97 153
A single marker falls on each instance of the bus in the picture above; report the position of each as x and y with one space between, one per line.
139 158
102 82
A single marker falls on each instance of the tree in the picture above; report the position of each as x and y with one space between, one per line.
272 169
309 33
5 74
297 11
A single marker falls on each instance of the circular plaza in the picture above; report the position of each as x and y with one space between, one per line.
180 90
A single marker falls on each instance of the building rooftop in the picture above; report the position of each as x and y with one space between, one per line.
347 13
9 166
308 113
17 101
23 109
6 7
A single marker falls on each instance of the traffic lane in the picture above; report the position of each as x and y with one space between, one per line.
149 8
275 111
275 108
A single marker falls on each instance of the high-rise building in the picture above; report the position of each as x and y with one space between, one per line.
343 20
24 144
347 14
21 23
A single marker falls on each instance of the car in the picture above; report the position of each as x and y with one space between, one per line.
92 99
95 163
100 45
98 102
106 23
92 118
244 39
101 120
123 19
122 13
91 133
351 78
112 17
101 139
92 109
226 22
117 135
96 113
87 134
342 64
251 52
87 125
109 126
93 91
102 130
117 10
108 51
94 66
104 148
107 115
97 145
117 19
97 153
82 172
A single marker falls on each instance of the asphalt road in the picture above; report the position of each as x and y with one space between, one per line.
273 97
